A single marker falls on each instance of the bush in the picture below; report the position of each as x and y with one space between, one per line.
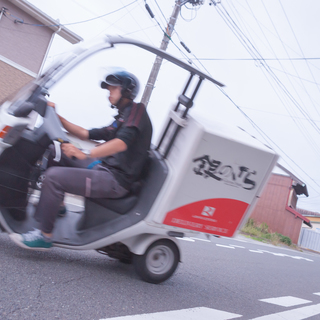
264 228
268 236
286 240
250 223
261 232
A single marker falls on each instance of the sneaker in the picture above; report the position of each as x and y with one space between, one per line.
33 240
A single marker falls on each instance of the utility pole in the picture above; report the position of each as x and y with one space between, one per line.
164 44
158 61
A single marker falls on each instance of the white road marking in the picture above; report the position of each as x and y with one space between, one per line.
204 313
287 301
280 254
186 239
232 246
301 258
295 314
184 314
222 245
286 255
240 240
205 240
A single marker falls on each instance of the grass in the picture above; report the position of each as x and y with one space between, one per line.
262 233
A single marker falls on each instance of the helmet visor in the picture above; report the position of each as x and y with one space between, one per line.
111 80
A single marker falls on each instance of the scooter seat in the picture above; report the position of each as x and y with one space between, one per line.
120 205
124 204
116 214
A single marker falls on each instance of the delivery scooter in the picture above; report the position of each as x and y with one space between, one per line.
198 179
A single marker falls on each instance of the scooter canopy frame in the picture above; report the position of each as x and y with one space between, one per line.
59 70
79 54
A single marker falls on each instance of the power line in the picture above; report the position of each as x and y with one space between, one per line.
135 31
164 17
300 49
284 47
115 22
264 135
255 53
234 103
19 20
253 123
292 75
194 9
299 125
261 24
137 22
259 59
167 36
275 113
106 20
252 50
252 59
181 42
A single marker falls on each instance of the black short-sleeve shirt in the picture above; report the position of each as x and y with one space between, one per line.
133 126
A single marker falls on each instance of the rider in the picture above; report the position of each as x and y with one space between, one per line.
106 171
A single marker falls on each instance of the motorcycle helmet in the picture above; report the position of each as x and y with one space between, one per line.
128 82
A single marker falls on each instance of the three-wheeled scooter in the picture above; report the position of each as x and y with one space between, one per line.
199 179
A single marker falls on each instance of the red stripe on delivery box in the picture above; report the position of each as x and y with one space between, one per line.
213 216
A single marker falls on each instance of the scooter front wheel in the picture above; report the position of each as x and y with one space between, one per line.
159 261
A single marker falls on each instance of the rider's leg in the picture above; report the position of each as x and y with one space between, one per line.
83 182
65 161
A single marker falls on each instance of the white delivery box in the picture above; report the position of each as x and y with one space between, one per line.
216 175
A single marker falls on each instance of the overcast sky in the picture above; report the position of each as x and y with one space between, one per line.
267 54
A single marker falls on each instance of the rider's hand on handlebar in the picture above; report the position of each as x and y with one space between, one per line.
71 151
53 105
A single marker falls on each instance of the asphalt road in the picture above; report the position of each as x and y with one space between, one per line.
218 279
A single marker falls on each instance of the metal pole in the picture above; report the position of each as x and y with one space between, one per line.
158 61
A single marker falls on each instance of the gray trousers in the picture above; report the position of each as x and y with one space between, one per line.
72 176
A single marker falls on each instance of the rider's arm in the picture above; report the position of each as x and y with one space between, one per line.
104 150
108 148
74 129
125 137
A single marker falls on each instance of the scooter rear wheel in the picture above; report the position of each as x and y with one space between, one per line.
159 261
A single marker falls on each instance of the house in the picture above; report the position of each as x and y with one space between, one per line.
26 34
314 218
278 203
